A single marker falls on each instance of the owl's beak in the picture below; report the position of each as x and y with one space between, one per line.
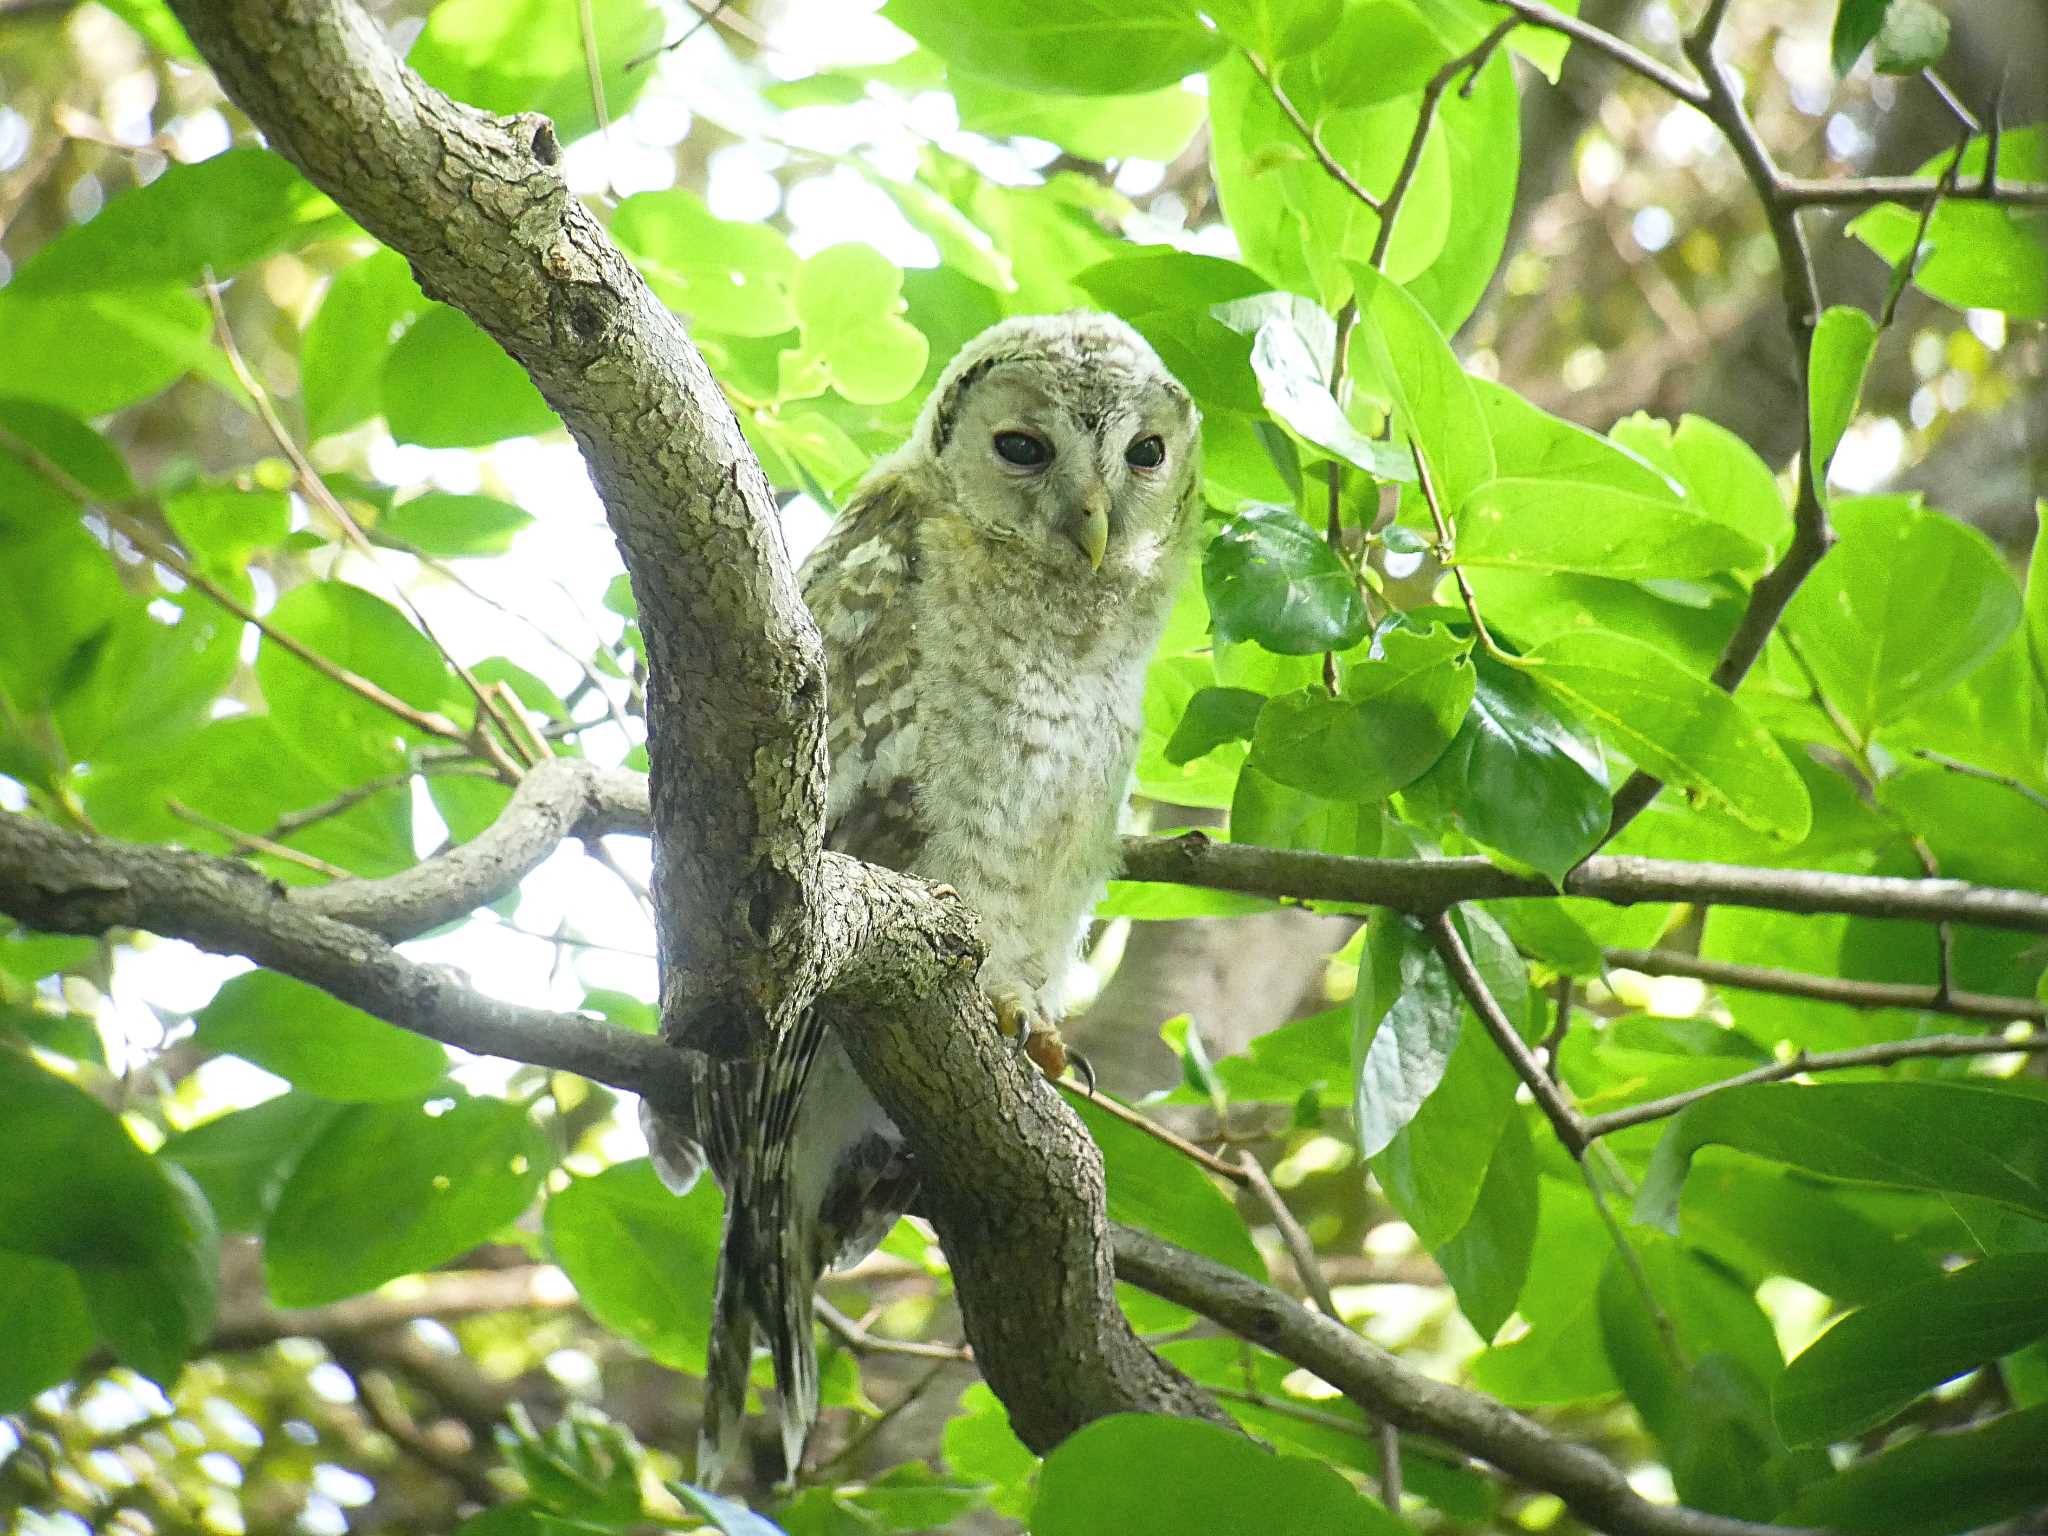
1088 526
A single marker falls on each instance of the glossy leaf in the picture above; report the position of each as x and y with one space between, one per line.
717 274
1408 1019
1937 1484
1197 1477
133 1230
1486 1261
394 1187
1269 577
224 213
528 56
1293 346
1976 254
1153 1187
1722 475
1931 1136
1676 726
1856 27
1064 47
1875 1361
1434 403
341 355
445 384
1843 339
224 526
98 351
241 1160
1861 619
641 1259
1520 779
45 1330
450 526
1214 716
1156 125
1597 530
848 300
317 1042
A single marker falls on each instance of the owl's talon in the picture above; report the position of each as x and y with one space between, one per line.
1084 1069
1032 1033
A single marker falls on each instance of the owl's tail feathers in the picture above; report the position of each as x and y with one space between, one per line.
762 1280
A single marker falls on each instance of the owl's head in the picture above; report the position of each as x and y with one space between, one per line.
1064 438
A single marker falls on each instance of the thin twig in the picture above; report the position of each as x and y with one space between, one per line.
1908 264
1570 1128
1970 770
1953 102
1866 191
1473 60
1560 1024
1300 1251
1826 989
1537 14
298 821
1884 1054
316 490
704 19
1158 1132
1308 132
1446 553
593 68
873 1427
862 1342
1667 1331
250 842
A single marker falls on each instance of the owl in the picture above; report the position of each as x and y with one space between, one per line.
988 602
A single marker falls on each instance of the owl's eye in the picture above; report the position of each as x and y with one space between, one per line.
1146 453
1023 450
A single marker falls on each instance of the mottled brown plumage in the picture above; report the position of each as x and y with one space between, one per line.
988 604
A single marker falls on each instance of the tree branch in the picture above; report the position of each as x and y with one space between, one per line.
1401 1395
1536 14
476 202
1827 989
1885 1053
1423 887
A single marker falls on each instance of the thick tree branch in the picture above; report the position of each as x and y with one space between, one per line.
63 882
1401 1395
477 203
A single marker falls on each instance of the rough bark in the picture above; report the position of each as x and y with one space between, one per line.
754 922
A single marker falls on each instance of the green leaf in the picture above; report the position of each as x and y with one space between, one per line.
1292 347
1685 731
1977 255
1214 716
642 1259
26 490
142 680
1856 26
1768 1221
1154 126
342 354
1269 577
224 212
849 301
1435 1167
1433 402
1197 1477
1396 716
223 526
717 274
1487 1260
1861 618
343 736
527 56
451 526
96 352
317 1042
1520 779
446 384
1480 128
1531 444
45 1329
1594 529
2037 596
1562 1358
1408 1012
1375 53
135 1232
1723 477
1153 1187
240 1160
1209 780
1064 47
978 1442
1273 815
1843 340
1875 1361
1914 37
395 1187
1937 1484
1931 1136
1170 298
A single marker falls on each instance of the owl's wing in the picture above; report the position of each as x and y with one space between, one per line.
858 584
813 1172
